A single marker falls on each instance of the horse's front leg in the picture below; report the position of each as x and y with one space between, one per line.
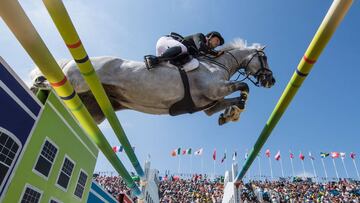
223 104
233 106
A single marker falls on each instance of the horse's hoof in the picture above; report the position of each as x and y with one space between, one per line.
221 120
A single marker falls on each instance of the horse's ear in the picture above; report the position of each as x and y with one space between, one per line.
263 47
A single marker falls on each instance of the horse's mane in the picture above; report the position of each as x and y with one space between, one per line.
239 43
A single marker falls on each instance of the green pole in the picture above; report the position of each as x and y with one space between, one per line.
16 19
328 26
72 40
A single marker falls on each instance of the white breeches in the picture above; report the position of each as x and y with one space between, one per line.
167 42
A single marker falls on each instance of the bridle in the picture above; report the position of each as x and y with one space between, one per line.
260 73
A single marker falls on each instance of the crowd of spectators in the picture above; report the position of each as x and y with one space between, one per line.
199 189
300 191
194 190
114 185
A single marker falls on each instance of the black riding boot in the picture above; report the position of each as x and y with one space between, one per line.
170 53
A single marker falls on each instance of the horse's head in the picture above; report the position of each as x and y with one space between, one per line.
249 61
256 65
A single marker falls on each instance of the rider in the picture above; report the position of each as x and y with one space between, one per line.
176 47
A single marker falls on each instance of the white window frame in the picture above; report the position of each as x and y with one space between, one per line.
27 185
57 179
87 177
39 154
17 141
54 199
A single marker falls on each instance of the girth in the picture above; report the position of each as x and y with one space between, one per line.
186 104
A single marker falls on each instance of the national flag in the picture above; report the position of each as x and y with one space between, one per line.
224 157
116 148
174 152
291 155
199 152
352 155
188 151
311 156
342 155
301 156
335 155
277 156
184 152
178 151
267 153
324 154
234 156
214 155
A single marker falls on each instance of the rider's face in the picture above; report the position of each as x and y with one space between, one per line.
214 42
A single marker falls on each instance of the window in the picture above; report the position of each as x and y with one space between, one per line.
65 173
46 158
53 200
80 186
31 195
9 150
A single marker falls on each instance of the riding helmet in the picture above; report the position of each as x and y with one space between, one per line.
215 34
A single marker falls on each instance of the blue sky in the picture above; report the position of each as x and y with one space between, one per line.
322 117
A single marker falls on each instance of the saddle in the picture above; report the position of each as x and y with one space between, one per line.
186 104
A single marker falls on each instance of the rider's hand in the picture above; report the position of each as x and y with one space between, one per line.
220 53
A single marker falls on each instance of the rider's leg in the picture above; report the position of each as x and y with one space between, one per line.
166 48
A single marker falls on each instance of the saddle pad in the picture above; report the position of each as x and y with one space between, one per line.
191 65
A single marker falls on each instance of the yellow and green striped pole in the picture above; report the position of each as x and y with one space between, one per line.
16 19
71 38
331 21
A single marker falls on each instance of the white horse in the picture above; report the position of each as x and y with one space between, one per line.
129 85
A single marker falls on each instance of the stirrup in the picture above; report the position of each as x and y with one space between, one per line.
150 61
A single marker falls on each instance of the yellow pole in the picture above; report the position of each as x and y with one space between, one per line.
327 28
72 40
16 19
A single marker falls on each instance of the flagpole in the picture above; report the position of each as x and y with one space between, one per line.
226 163
302 163
214 169
347 174
202 165
259 168
282 170
326 176
191 158
179 165
292 167
312 163
357 172
337 175
271 172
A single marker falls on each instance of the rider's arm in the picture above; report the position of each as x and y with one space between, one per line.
200 42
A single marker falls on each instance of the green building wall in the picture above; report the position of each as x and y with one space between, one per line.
58 126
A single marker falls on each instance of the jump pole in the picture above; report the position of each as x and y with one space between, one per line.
72 40
328 26
21 26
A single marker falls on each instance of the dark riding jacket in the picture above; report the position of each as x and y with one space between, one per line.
196 45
